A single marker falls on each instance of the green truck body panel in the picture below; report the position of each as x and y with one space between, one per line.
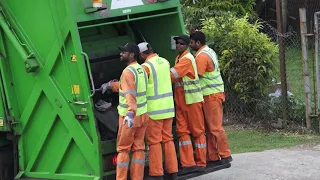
48 49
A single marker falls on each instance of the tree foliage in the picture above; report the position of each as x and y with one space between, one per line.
203 9
247 57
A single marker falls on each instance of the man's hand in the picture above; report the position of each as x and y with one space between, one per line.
107 85
129 120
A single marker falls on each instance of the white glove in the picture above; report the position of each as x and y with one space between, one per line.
107 85
129 120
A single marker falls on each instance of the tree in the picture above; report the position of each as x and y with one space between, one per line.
196 10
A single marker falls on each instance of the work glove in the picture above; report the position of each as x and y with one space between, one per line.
128 119
107 85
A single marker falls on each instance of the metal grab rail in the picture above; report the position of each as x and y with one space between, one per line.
93 90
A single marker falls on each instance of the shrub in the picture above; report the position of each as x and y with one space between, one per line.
247 57
203 9
271 108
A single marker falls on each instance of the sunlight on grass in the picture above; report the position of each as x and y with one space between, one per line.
248 140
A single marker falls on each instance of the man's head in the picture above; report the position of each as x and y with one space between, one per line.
182 43
129 53
197 40
145 50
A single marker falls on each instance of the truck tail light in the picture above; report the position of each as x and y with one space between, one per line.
110 162
114 160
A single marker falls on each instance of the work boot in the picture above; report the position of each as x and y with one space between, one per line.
226 160
201 168
173 176
187 170
223 161
155 178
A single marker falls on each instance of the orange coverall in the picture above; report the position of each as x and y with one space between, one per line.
160 131
216 137
189 118
130 139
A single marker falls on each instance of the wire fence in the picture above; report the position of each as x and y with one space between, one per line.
270 108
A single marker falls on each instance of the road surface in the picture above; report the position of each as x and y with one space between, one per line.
297 163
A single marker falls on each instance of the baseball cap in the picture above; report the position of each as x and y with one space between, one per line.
144 46
183 37
130 47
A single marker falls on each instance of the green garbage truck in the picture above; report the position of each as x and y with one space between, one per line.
54 55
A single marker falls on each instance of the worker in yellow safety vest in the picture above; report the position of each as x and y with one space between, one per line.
161 112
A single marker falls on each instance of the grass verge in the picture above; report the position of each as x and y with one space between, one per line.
250 140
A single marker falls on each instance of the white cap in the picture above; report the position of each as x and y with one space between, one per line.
143 46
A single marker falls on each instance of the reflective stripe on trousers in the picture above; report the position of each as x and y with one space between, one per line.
122 164
184 143
201 145
137 161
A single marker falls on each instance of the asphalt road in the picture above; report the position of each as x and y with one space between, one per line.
297 163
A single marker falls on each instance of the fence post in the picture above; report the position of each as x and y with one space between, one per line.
316 44
304 46
284 90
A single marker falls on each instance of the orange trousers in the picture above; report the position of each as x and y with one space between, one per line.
216 136
161 131
190 120
131 140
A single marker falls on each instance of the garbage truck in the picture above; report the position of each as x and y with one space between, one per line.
54 55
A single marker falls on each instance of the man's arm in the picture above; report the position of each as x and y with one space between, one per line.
114 86
129 89
181 69
202 61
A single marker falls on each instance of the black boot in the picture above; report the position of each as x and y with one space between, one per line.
155 178
173 176
223 161
201 168
226 160
187 170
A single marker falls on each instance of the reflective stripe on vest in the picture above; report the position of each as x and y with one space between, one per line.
211 82
159 90
141 80
192 87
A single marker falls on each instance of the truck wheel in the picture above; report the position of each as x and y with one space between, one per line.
6 163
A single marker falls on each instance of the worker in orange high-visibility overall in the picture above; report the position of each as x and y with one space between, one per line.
213 91
161 112
189 115
97 3
133 118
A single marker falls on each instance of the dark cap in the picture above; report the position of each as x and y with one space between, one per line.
183 37
130 47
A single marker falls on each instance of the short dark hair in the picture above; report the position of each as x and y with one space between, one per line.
198 36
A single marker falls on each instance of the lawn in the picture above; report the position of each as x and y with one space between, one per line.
250 140
294 69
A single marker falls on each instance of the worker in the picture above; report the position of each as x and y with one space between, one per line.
189 115
133 118
161 112
212 87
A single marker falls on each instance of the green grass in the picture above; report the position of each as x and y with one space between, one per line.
250 140
294 69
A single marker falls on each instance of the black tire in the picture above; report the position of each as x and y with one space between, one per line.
6 163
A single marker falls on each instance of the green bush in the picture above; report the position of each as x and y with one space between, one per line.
247 57
271 108
204 9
